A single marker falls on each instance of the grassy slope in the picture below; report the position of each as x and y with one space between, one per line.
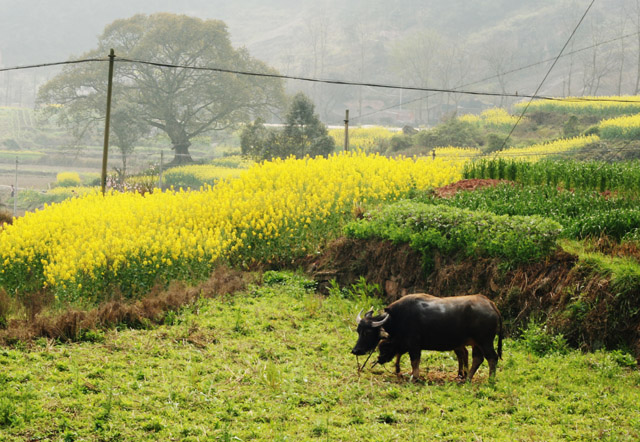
274 364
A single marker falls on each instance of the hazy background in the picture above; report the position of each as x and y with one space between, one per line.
436 44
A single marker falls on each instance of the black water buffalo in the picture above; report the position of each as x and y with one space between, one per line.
423 322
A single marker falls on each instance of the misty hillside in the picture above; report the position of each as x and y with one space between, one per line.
437 44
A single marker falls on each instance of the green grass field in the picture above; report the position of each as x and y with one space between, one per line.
273 363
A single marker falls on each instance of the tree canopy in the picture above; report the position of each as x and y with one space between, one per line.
303 134
162 79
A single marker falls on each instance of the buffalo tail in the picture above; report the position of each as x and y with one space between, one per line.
500 335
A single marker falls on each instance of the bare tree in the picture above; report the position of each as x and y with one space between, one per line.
636 19
621 51
318 32
452 70
598 62
499 59
415 61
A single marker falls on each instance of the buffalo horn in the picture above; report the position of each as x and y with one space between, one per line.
380 322
366 315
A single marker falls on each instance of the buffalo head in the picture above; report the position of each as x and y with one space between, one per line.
369 332
387 349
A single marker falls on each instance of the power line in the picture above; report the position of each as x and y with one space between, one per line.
522 68
524 111
57 63
377 85
327 81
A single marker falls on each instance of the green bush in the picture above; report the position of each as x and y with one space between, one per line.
593 130
451 230
571 127
450 133
495 142
184 180
400 142
539 341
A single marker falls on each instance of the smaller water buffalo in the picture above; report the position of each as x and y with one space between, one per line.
388 348
424 322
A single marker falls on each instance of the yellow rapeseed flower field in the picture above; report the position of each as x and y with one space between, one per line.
536 152
84 246
495 118
366 139
456 152
626 128
193 175
602 106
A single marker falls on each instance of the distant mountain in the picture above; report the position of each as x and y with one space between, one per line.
437 44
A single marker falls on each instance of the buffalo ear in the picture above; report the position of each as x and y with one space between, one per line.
381 322
383 334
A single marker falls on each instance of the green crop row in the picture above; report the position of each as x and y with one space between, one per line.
581 213
623 177
452 230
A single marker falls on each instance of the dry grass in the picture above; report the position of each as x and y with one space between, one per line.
74 324
6 217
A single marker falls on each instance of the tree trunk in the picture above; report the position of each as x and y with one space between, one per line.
181 154
180 141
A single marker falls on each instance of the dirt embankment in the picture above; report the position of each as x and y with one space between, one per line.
568 295
570 298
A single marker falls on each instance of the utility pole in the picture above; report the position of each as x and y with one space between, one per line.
14 192
107 123
160 171
346 131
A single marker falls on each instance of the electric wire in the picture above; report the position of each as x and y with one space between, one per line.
329 81
521 68
524 111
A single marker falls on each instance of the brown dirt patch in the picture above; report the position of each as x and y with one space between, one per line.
396 269
471 184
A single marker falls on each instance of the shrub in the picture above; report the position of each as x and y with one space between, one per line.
495 142
539 341
593 130
429 227
198 175
570 127
91 179
451 133
400 142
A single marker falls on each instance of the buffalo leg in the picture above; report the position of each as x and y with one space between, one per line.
415 364
492 359
463 361
398 356
477 358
